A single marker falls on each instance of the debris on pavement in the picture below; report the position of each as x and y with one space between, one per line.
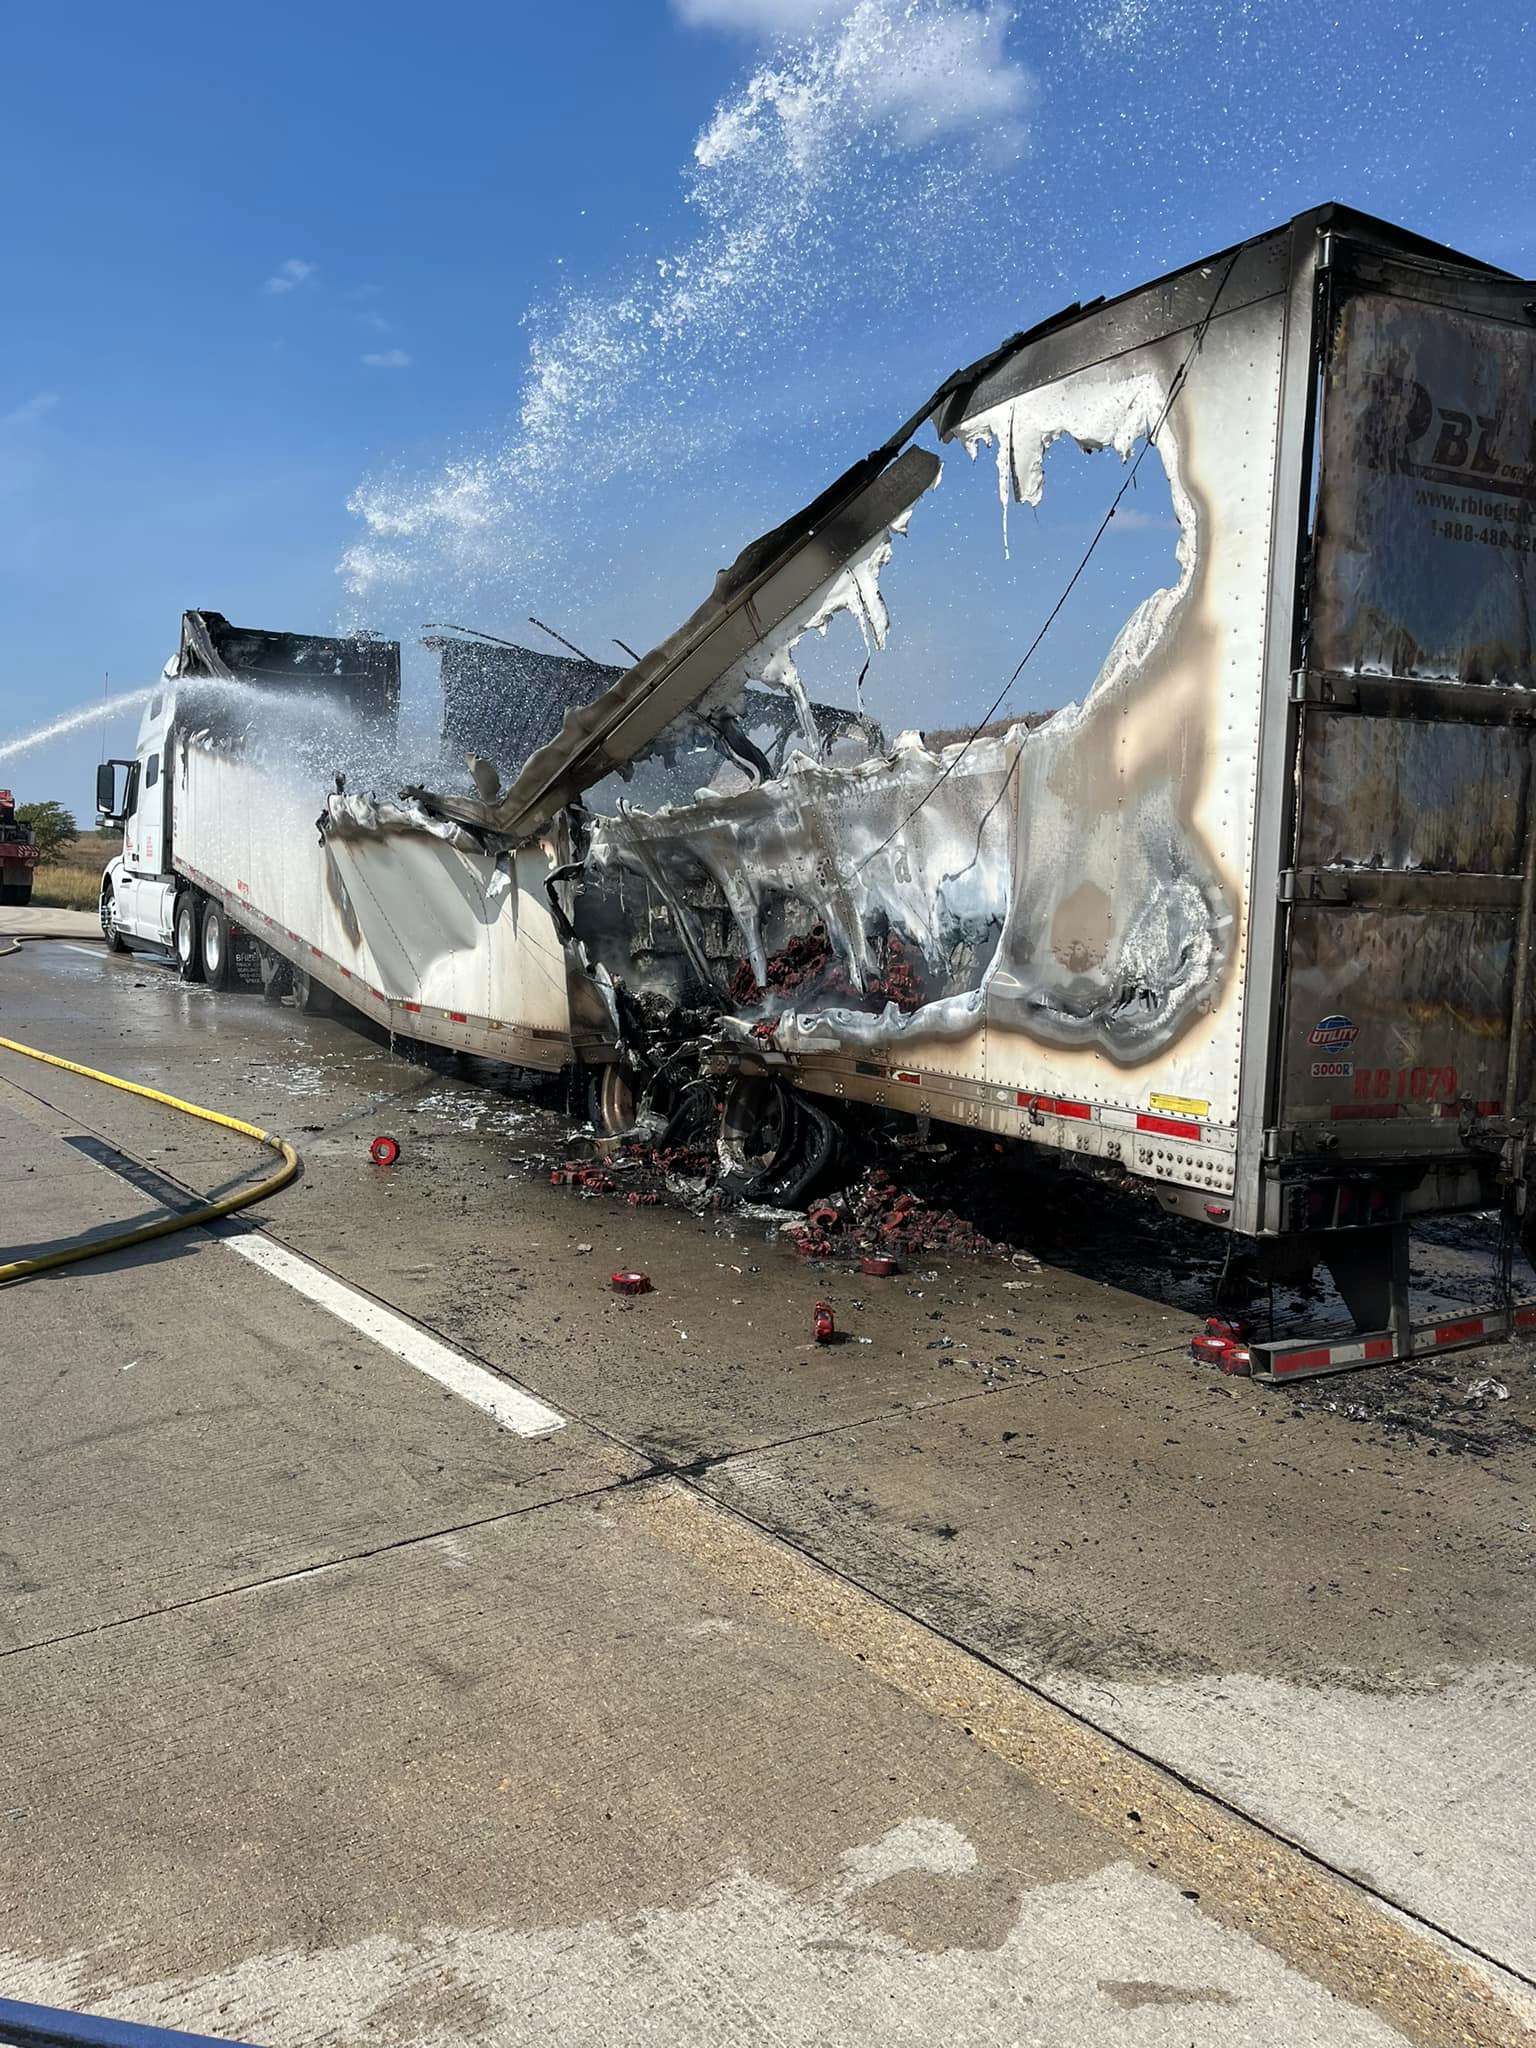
1222 1344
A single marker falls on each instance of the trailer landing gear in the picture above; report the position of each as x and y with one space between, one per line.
309 995
276 975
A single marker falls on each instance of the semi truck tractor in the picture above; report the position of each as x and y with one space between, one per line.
1249 922
224 863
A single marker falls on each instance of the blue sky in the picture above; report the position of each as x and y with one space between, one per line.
390 314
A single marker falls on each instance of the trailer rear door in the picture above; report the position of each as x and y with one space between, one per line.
1410 875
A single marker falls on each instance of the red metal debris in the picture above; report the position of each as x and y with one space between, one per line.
822 1217
577 1173
1221 1343
384 1151
878 1266
631 1283
637 1200
808 962
891 1216
824 1328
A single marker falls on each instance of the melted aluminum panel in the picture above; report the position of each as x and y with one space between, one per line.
1075 889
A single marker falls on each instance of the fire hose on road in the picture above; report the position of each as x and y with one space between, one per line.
161 1226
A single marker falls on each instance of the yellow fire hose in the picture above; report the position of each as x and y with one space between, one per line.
163 1226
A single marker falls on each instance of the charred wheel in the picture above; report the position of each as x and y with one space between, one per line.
774 1145
612 1100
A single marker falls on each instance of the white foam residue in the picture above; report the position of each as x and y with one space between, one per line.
855 589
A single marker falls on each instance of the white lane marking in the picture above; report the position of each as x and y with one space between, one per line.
508 1405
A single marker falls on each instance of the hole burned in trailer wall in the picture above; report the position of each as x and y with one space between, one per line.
1048 874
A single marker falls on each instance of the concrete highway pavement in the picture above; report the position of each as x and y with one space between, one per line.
725 1688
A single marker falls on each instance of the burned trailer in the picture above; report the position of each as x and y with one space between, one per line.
1251 919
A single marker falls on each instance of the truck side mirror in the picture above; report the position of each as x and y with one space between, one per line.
110 808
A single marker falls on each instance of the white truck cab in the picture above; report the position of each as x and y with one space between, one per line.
138 886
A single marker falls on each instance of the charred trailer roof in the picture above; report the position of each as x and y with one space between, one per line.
504 701
363 672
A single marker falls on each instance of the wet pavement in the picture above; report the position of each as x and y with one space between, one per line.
783 1689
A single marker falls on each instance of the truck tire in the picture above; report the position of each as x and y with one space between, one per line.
116 943
217 948
611 1101
187 930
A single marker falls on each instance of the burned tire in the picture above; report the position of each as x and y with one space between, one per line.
612 1104
774 1145
15 892
116 943
309 995
276 975
216 947
187 934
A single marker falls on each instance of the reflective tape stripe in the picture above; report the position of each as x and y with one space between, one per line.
1364 1351
1168 1126
1053 1105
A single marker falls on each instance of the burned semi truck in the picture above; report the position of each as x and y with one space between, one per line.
1250 921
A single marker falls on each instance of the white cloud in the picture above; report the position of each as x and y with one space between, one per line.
290 275
388 359
30 409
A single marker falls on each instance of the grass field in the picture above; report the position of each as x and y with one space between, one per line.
73 880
